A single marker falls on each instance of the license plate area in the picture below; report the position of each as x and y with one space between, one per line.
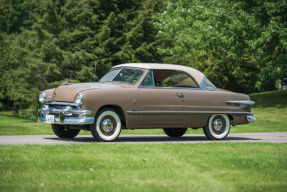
50 119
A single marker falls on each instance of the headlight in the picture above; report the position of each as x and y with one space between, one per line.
42 97
79 99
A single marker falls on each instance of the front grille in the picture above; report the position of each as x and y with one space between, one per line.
62 107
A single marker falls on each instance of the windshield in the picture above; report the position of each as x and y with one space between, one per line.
125 75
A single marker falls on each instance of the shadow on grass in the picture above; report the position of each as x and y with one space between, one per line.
152 139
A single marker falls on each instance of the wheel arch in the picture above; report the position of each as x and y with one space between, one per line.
231 119
118 109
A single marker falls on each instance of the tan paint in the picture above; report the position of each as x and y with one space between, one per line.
132 97
158 99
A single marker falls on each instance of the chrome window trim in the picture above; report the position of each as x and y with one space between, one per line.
198 85
203 86
117 73
208 112
153 86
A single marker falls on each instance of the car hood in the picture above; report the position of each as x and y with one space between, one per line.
67 93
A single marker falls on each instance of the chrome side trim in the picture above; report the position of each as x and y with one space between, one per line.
251 119
208 112
241 102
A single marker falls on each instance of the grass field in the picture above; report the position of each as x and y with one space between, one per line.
160 167
149 167
270 110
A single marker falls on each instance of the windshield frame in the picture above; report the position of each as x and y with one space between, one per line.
121 68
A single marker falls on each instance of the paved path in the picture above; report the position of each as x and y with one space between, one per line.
273 137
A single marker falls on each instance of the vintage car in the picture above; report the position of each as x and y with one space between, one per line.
144 96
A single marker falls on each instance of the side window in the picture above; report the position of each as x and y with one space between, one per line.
148 81
170 81
172 78
208 84
185 80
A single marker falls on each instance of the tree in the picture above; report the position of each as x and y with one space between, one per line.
67 38
225 39
271 45
53 50
16 14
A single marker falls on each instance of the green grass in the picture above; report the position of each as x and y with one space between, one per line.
270 110
150 167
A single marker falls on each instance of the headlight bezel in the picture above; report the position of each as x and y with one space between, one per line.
42 97
79 99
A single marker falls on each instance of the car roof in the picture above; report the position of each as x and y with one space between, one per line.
197 75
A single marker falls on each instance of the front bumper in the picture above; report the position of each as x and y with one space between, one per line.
64 114
251 119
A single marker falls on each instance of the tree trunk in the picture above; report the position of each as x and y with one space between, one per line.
16 108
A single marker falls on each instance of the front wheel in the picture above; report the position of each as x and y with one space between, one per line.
107 125
218 127
64 132
175 132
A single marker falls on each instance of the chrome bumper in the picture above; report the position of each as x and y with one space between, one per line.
64 116
251 119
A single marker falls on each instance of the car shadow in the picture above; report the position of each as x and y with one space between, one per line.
154 139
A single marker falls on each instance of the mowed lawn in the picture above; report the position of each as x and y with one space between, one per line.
150 167
270 110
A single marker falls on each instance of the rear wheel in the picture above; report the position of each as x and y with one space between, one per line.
63 131
107 125
175 132
218 127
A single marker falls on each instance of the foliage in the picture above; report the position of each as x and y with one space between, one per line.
238 44
16 14
67 39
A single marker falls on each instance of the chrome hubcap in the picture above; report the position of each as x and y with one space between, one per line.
107 125
217 124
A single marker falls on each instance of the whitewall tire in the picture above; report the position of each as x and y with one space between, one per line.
218 127
107 125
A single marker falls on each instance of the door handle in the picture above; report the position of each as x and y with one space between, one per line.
180 95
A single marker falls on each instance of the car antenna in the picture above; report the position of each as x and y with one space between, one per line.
95 71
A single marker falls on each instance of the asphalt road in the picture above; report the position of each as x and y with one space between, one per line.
273 137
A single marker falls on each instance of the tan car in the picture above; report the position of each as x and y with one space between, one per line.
144 96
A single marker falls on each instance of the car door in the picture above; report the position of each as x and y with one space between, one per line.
160 105
197 102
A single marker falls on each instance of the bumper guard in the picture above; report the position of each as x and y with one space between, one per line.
251 119
66 115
